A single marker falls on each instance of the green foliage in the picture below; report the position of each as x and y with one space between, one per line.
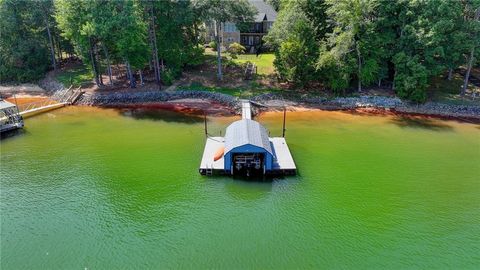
235 49
24 53
361 43
296 46
333 72
168 76
411 79
213 45
263 62
77 76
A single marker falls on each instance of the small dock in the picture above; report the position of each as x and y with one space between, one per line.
10 118
11 115
247 150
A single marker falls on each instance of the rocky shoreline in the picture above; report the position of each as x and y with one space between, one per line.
272 100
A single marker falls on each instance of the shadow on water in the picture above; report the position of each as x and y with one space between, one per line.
248 190
13 133
162 115
420 123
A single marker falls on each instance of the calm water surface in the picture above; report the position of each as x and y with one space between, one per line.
99 189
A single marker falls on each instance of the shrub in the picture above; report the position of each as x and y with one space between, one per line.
213 45
235 49
168 76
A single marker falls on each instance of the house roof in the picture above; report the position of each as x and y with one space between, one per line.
244 132
265 11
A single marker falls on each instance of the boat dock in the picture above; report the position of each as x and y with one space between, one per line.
11 115
247 150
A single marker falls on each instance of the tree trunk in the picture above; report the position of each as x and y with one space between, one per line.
50 40
470 60
95 54
450 74
59 50
467 74
359 68
141 77
109 66
219 49
155 50
94 66
130 75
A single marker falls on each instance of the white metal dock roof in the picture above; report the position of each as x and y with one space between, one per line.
244 132
5 104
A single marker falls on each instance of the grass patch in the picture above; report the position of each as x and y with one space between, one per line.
240 92
445 91
264 62
76 76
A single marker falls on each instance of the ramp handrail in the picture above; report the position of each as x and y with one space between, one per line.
66 97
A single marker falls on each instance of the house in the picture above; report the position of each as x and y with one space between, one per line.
251 37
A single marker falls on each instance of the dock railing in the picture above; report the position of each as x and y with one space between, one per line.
36 105
65 97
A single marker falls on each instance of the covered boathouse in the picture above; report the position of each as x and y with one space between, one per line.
246 150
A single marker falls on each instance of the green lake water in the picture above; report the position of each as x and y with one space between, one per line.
85 188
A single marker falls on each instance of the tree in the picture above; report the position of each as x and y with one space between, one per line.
296 37
295 61
46 10
276 4
235 49
24 53
130 37
75 20
219 12
475 38
353 21
411 78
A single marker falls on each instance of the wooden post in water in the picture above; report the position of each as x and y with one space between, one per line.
15 98
205 122
284 116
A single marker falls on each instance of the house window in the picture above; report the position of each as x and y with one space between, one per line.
244 39
250 40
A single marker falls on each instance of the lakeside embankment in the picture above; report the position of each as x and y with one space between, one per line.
230 103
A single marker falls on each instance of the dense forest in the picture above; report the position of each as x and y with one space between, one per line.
356 43
341 44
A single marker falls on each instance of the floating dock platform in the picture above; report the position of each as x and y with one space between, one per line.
10 118
247 150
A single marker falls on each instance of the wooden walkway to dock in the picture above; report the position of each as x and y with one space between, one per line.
69 97
246 109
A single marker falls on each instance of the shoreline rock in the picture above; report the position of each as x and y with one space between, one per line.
272 100
383 103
